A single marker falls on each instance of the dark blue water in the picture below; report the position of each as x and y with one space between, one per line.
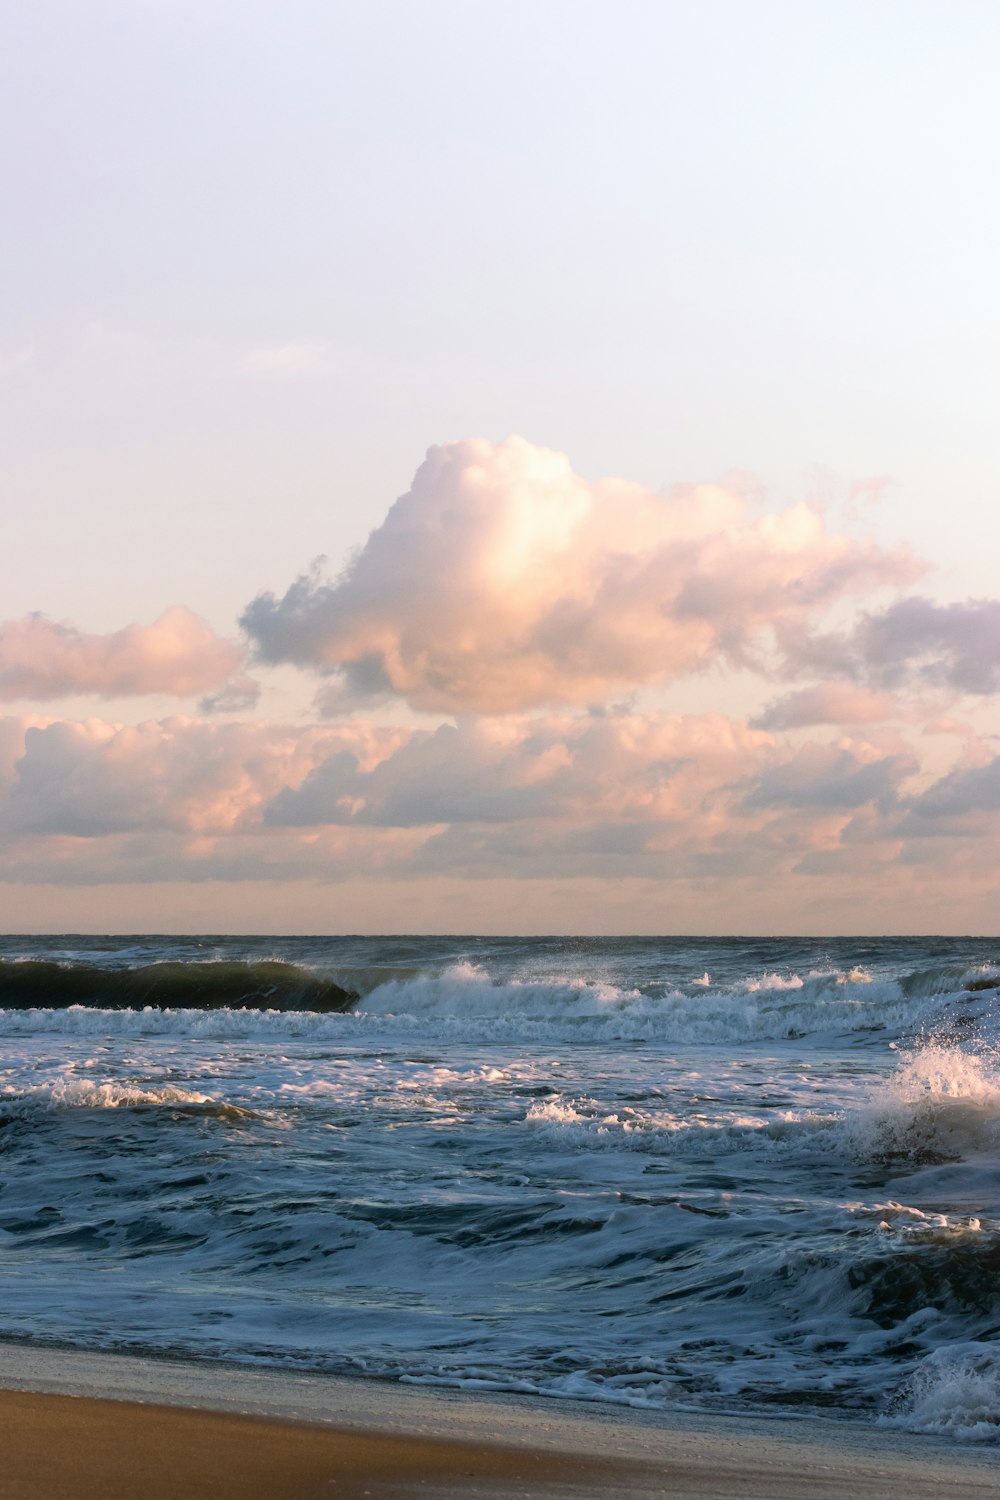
735 1173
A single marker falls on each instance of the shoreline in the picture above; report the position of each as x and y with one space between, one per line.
81 1424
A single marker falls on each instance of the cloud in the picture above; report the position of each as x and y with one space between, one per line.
826 703
848 774
914 643
950 645
963 793
236 696
502 581
91 778
617 767
179 654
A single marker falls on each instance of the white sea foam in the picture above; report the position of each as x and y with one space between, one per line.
943 1103
954 1392
581 1123
464 1003
914 1224
85 1093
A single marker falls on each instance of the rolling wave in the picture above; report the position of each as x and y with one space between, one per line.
43 984
465 1002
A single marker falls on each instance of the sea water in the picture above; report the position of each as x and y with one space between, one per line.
724 1173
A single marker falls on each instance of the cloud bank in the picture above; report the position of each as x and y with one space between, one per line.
502 581
663 796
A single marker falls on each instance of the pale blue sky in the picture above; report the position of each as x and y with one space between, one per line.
673 240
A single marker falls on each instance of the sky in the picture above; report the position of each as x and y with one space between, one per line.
499 467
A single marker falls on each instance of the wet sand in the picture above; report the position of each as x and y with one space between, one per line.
77 1426
77 1448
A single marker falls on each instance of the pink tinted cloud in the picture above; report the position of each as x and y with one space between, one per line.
178 654
503 581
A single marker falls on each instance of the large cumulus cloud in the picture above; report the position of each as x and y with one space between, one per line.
502 581
178 654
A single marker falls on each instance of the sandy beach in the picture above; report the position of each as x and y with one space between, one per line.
81 1425
71 1448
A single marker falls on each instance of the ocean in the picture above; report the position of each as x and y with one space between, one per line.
727 1174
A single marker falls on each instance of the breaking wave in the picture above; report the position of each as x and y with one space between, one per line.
954 1392
464 1003
943 1104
